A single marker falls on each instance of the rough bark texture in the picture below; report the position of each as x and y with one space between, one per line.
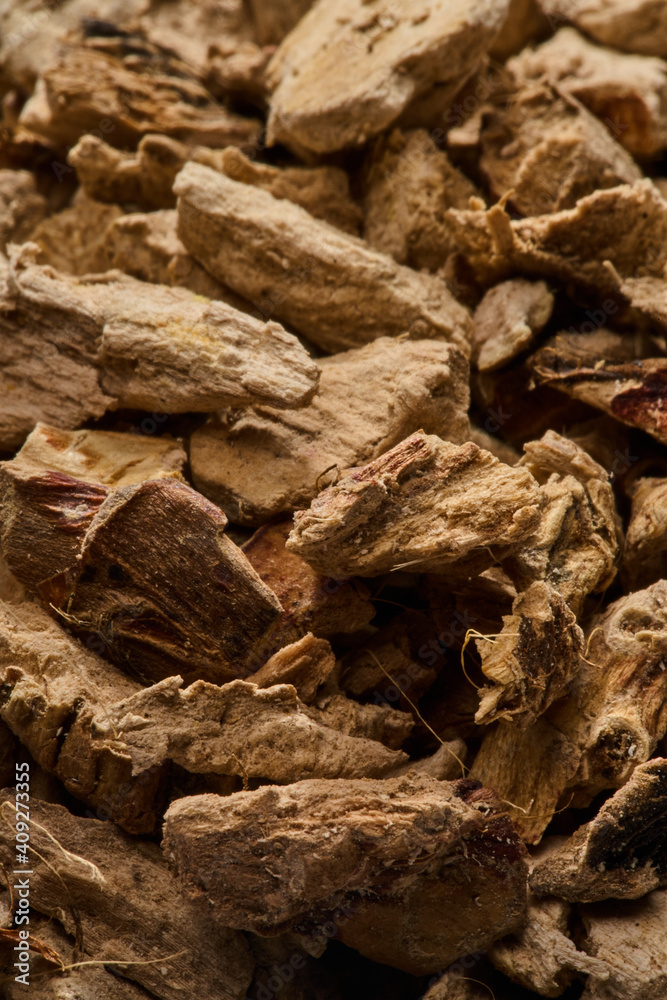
439 836
549 151
507 320
256 464
645 550
74 241
389 57
424 504
21 206
293 266
629 25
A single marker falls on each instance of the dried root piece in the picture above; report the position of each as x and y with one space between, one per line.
74 347
117 895
383 723
145 177
577 543
621 853
426 504
629 25
648 295
290 265
311 602
549 151
74 240
507 320
633 392
645 550
129 101
457 869
628 92
273 19
256 464
410 185
130 584
533 660
306 664
626 225
21 207
390 57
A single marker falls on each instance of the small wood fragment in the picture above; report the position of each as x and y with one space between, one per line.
508 319
629 25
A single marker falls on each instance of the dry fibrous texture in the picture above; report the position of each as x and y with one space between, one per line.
74 241
345 74
534 659
507 320
621 853
166 598
256 464
144 177
106 888
189 27
382 723
311 601
648 295
74 347
126 103
424 504
627 92
334 844
273 19
626 225
629 937
21 206
294 266
645 550
549 151
306 664
237 729
410 184
594 739
577 543
630 25
633 392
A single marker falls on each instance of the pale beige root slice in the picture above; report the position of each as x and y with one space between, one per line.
424 504
548 151
43 667
621 853
508 319
311 602
645 550
273 19
129 100
534 659
344 75
293 266
74 241
577 543
633 392
21 206
648 295
630 25
410 184
107 457
118 893
144 177
626 225
256 464
383 723
457 868
188 27
306 664
112 340
236 729
629 937
446 764
593 740
523 23
627 92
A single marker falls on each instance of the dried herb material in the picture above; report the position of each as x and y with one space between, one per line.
168 599
106 888
645 550
424 504
627 92
410 185
332 845
256 464
390 60
621 853
306 664
549 151
307 273
73 241
507 320
534 659
629 25
21 206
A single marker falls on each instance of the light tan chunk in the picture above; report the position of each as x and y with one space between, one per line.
306 664
548 151
628 93
508 319
315 277
21 206
75 240
346 73
524 22
645 550
424 504
256 464
629 25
